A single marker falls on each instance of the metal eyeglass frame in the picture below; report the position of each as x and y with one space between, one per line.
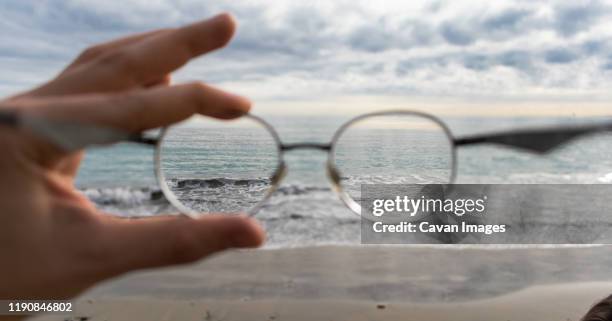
281 167
73 136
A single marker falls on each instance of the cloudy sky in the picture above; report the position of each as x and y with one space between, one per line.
348 55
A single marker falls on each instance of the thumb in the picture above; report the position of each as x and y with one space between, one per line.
132 244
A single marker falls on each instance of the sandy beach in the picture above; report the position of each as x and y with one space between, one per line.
362 283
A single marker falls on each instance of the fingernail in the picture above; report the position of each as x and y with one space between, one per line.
224 16
243 100
248 235
239 106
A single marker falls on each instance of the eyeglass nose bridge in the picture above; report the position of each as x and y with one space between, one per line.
332 172
288 147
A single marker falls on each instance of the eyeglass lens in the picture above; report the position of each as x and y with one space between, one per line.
392 149
218 166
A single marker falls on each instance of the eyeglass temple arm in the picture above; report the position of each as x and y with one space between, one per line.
535 140
141 139
9 118
12 118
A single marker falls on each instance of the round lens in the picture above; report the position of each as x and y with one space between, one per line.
206 165
392 148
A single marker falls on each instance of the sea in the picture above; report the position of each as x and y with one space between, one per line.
305 210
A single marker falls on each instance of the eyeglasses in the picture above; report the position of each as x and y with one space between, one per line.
206 165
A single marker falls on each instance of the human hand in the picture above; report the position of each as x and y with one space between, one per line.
53 242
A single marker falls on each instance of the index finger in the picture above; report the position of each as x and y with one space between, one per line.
161 54
143 109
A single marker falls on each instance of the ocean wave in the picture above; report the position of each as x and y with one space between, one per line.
217 182
126 196
297 189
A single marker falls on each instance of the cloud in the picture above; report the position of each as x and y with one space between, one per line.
560 56
457 35
518 59
506 20
471 49
574 18
370 38
477 62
